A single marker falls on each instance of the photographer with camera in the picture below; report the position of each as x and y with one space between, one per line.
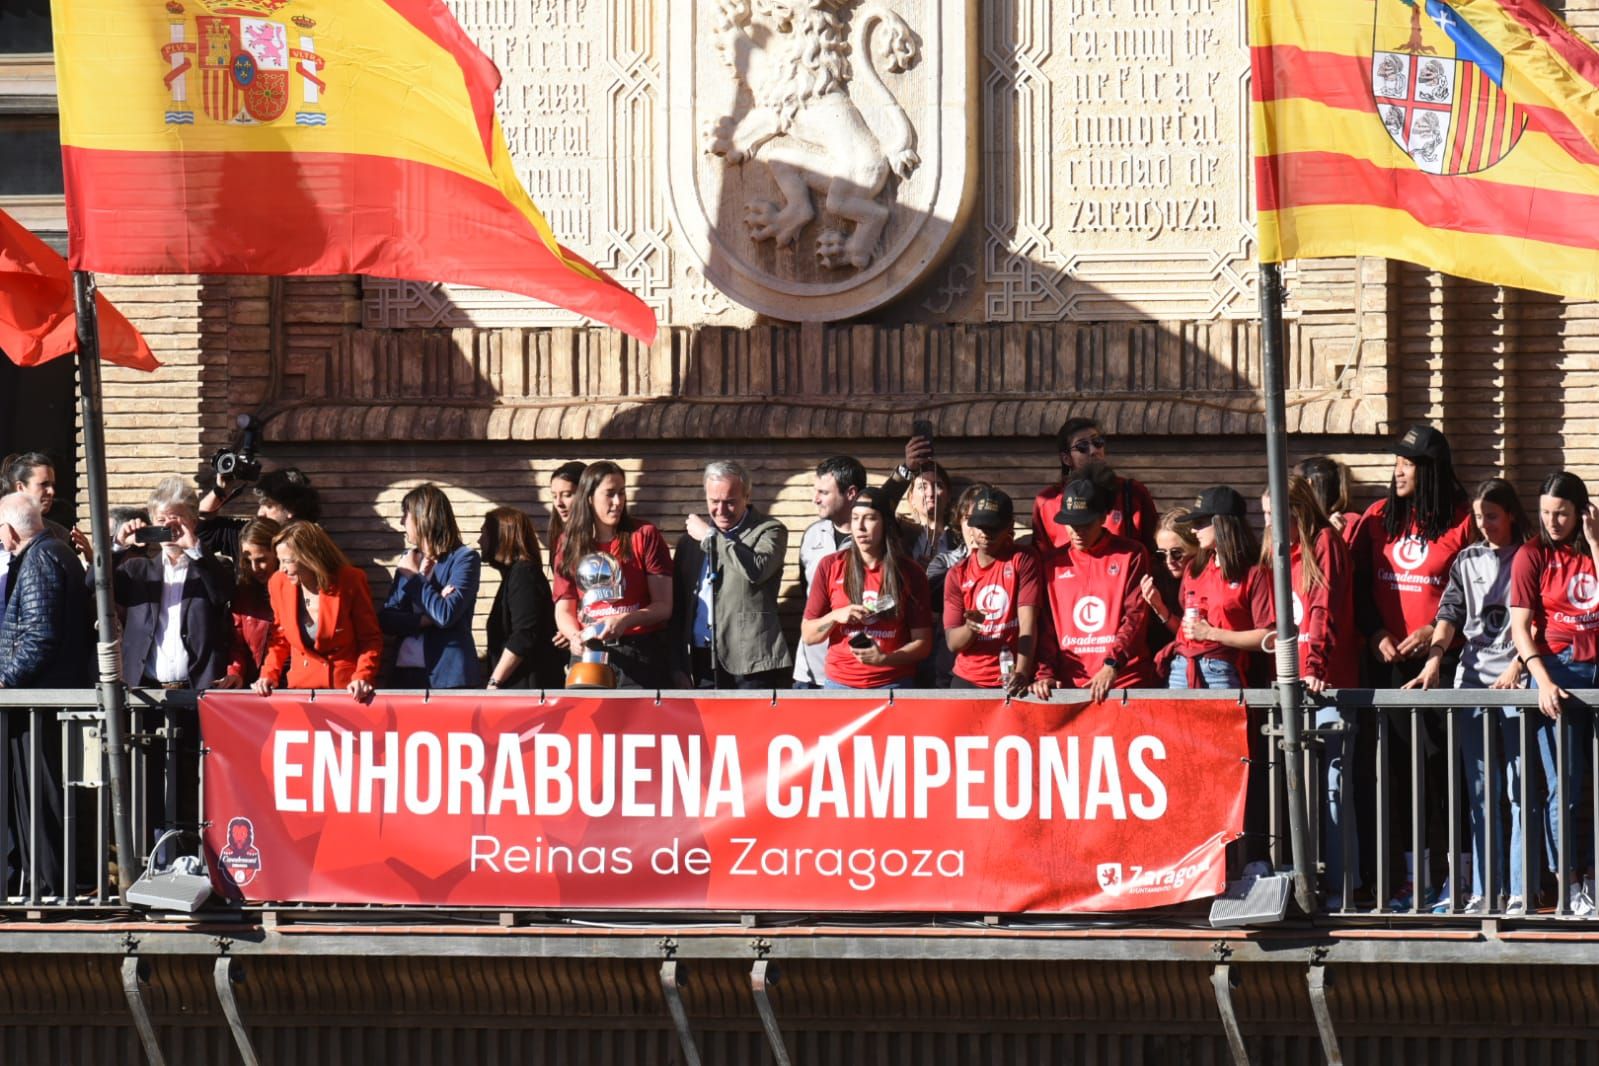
284 495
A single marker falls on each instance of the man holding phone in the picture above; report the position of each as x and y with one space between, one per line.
177 629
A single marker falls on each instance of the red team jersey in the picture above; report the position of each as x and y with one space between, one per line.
1407 575
1329 640
649 556
913 612
1097 612
997 591
1132 515
1230 605
1560 588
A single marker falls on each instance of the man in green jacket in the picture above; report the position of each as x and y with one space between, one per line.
727 569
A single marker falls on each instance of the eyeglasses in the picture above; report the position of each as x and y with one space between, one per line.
1092 444
1172 555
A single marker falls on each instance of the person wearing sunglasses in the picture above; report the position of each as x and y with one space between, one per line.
1130 510
1177 551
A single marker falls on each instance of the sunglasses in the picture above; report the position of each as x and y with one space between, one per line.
1092 444
1171 555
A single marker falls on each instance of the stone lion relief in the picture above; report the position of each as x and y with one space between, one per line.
820 159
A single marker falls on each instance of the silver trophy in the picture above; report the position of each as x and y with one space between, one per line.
599 577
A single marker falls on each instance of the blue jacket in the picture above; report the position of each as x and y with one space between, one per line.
448 650
44 635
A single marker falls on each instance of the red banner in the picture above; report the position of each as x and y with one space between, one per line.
811 804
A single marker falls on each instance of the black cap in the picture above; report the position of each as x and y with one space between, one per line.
992 511
877 500
1218 500
1082 503
1423 442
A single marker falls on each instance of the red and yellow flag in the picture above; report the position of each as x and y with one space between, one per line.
38 318
301 137
1383 127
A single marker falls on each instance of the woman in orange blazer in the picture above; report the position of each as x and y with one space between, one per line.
324 628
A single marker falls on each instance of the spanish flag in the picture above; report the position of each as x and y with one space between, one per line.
301 137
38 313
1396 128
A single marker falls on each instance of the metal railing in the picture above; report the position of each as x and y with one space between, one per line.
1413 774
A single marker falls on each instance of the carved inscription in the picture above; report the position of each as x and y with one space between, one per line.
1143 147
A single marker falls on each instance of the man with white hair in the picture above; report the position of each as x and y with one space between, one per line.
726 574
177 630
44 634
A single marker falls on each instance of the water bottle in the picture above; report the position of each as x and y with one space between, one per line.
1007 665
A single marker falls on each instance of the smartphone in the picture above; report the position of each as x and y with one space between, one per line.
152 535
860 640
922 428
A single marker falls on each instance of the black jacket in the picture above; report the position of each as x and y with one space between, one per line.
207 621
522 621
44 637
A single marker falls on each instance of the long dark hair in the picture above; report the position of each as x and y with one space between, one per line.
894 557
437 532
572 472
1237 548
1567 486
1501 493
509 538
583 533
1329 479
1432 507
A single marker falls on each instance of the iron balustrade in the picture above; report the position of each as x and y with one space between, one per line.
52 740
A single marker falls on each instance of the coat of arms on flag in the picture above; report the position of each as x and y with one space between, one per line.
1437 92
251 65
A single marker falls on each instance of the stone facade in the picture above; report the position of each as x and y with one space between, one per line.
1093 255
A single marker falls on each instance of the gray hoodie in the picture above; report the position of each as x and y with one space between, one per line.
1477 602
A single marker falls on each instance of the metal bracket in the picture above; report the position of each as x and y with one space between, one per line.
134 971
762 976
224 976
1317 979
1221 979
671 987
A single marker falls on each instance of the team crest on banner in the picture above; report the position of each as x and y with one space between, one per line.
248 66
1444 109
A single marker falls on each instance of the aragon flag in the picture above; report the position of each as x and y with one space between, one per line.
1394 128
38 318
301 137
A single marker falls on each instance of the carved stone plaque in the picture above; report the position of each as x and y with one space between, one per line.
1118 160
820 153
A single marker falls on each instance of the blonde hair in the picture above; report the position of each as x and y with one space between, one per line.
1308 519
1175 522
314 552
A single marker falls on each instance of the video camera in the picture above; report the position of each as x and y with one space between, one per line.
238 461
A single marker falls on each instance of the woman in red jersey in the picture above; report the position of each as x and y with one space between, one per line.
633 621
1403 551
1554 616
992 601
252 609
1177 551
1329 479
1097 615
1218 627
870 603
1129 508
1322 582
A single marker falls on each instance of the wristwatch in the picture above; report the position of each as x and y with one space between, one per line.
1113 662
902 472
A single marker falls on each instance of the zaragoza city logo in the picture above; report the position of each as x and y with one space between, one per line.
1437 89
252 65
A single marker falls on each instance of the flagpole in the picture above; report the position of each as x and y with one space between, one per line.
108 658
1288 685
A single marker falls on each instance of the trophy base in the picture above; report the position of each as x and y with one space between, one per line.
591 675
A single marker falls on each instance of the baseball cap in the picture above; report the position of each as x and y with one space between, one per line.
1218 500
1081 503
1422 442
992 511
876 499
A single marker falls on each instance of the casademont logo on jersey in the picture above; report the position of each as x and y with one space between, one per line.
251 65
1089 615
1583 591
1410 553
